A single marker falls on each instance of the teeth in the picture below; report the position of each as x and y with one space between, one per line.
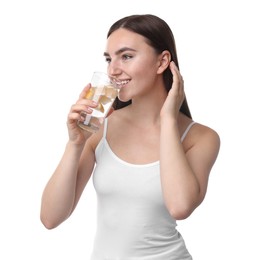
122 82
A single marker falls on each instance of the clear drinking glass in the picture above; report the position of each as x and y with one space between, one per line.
104 92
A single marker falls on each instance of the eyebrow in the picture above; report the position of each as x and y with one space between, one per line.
120 51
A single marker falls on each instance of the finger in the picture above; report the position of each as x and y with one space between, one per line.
175 71
85 90
177 77
77 109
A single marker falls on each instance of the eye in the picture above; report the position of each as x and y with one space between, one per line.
126 56
107 59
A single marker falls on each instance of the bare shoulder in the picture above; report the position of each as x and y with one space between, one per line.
203 133
93 141
202 143
200 136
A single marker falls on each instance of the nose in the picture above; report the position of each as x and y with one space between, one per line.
114 69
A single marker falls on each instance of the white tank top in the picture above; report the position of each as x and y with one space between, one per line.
132 220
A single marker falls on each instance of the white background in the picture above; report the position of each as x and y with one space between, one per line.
48 50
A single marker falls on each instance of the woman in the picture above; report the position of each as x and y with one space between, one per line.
150 161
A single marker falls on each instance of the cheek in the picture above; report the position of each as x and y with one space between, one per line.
144 60
146 73
146 66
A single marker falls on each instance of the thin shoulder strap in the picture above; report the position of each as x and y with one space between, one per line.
105 128
187 130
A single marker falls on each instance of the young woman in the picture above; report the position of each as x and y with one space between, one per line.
150 161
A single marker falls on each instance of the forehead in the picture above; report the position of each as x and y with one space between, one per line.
122 38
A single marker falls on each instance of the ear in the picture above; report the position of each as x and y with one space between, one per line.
164 61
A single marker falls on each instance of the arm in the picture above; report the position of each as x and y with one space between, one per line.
184 173
65 186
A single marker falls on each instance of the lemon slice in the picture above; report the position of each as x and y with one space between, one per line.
90 93
104 100
100 108
111 92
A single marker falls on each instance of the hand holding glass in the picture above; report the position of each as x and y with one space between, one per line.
104 92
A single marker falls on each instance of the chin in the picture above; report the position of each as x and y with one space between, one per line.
124 99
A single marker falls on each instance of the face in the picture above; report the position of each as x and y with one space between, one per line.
132 62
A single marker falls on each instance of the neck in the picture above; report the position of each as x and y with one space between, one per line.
146 110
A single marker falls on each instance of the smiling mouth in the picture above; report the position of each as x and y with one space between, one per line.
120 83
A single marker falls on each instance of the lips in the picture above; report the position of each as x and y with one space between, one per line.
121 83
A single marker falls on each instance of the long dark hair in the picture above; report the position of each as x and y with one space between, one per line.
160 37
